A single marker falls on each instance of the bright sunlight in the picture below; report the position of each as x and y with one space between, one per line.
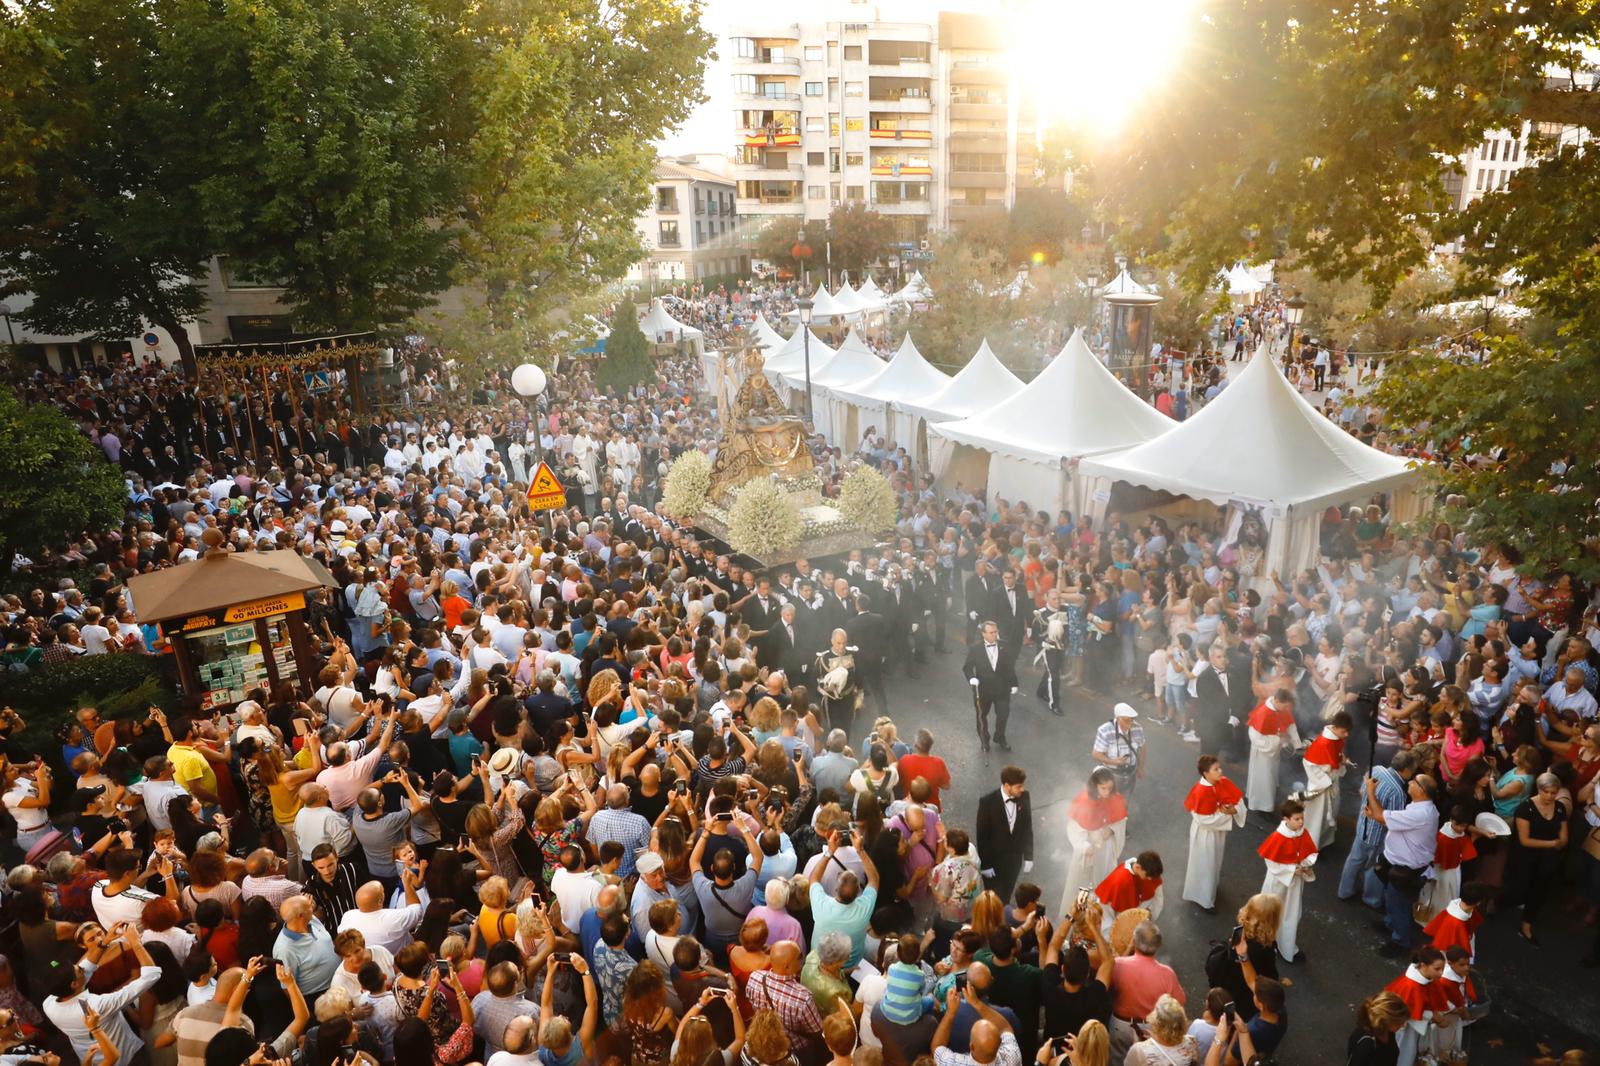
1089 63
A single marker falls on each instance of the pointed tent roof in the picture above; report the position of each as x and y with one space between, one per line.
658 320
1123 283
1259 440
915 288
767 338
870 288
852 363
1240 282
1075 407
908 376
792 356
984 382
847 301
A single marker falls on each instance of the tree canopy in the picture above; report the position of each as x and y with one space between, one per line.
1327 136
627 361
53 480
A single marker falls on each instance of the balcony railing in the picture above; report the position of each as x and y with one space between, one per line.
901 136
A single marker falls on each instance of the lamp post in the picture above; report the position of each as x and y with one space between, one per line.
1487 302
804 306
1294 309
5 313
1092 279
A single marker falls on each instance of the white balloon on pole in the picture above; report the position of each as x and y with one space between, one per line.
528 380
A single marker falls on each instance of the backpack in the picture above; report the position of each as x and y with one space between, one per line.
1220 958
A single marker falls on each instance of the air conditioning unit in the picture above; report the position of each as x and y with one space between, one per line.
924 245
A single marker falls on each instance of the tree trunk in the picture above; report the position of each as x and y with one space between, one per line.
180 337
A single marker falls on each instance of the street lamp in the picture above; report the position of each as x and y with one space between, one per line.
1487 302
804 305
1294 309
5 313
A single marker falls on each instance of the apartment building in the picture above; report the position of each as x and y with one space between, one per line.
921 121
691 227
1502 153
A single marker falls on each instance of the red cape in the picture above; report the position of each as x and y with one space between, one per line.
1456 993
1451 852
1121 890
1092 813
1269 721
1418 998
1205 799
1325 751
1291 851
1446 931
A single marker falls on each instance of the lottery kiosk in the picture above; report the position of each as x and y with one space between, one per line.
235 621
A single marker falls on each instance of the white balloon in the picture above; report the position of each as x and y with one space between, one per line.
528 380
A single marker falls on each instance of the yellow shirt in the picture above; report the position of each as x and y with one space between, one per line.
191 769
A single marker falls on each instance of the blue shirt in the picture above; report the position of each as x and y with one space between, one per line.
1391 797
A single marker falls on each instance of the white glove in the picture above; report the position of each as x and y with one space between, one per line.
972 681
987 873
1232 720
972 615
1013 690
915 626
1027 866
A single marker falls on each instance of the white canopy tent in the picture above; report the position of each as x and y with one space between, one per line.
916 290
877 400
1240 283
792 357
825 311
767 339
1074 408
869 290
661 328
984 382
853 362
1259 446
1123 284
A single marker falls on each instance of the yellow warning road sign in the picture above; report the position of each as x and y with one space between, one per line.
545 490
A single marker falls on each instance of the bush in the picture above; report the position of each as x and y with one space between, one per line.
764 520
118 685
866 500
688 482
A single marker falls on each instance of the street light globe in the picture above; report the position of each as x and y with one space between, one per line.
527 380
1488 300
804 305
1294 310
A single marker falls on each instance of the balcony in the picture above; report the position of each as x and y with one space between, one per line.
977 179
961 212
769 101
754 206
777 65
764 171
973 73
902 68
755 137
960 109
903 137
903 207
978 141
909 105
762 31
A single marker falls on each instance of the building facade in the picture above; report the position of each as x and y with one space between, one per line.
691 227
922 122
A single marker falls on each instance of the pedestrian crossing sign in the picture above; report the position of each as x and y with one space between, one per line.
545 491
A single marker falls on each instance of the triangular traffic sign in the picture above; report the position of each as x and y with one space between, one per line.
545 491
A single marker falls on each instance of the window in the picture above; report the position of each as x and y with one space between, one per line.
978 162
1494 150
813 88
852 88
977 125
833 125
775 90
833 191
744 47
833 51
669 233
815 192
816 159
976 94
1516 151
854 125
900 192
813 123
852 51
833 160
855 192
667 200
852 159
813 53
1481 174
975 197
833 90
744 83
698 208
699 233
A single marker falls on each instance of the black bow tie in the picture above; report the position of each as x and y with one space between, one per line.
991 645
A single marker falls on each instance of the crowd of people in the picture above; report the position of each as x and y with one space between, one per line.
584 788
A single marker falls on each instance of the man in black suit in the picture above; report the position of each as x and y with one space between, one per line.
789 654
980 590
870 636
759 609
993 678
1213 709
1004 832
1012 609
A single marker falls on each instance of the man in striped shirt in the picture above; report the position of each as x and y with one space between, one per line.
1367 847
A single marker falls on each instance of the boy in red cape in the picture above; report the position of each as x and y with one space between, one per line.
1455 844
1135 883
1457 925
1290 853
1271 727
1466 1006
1215 806
1420 990
1324 764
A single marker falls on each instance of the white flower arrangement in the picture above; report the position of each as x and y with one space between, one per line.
688 483
866 500
764 520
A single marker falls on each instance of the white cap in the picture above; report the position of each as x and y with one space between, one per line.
1123 710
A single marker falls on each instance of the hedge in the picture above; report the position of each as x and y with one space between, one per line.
117 685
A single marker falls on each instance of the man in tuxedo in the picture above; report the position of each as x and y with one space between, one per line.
1214 717
993 678
759 609
980 590
869 634
789 654
838 607
1012 609
1004 831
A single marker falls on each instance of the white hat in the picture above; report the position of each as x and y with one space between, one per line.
338 526
1123 710
502 760
648 862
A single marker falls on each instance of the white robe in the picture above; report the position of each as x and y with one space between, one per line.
519 466
1208 836
1417 1031
1288 883
1094 856
1444 886
1322 799
1261 786
586 452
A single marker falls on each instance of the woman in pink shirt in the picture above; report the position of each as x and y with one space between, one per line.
1463 742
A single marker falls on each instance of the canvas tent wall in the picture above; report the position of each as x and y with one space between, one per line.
853 362
1259 446
792 357
1074 408
880 399
660 328
978 386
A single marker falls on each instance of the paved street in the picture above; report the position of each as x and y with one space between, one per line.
1541 995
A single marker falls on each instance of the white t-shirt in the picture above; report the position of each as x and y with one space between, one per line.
390 929
340 703
28 818
343 978
125 906
95 638
506 1058
576 892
